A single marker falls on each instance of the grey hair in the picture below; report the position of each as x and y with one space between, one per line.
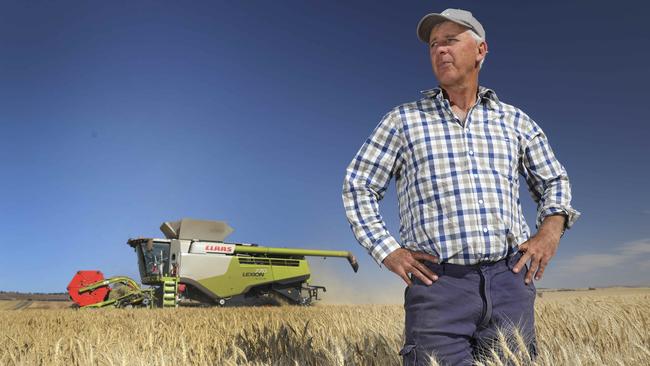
478 40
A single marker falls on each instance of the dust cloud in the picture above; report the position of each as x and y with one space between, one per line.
371 285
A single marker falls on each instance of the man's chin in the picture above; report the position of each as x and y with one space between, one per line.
446 77
446 82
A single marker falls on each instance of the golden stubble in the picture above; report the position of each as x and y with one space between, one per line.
571 330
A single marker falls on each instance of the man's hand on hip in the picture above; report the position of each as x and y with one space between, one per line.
403 261
539 249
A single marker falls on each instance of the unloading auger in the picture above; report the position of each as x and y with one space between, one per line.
194 266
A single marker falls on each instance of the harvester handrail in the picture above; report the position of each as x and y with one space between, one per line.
122 279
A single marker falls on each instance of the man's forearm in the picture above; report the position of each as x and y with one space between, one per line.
553 225
362 210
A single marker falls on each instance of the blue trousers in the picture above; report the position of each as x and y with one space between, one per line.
458 316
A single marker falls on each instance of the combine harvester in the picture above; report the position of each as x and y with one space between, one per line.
193 266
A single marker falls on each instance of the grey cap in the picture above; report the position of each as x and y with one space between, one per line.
458 16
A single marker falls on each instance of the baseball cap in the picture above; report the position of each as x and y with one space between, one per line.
458 16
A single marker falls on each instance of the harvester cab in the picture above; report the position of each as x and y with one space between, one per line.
194 266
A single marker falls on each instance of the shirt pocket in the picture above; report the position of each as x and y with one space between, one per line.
497 153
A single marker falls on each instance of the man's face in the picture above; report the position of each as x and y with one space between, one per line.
455 54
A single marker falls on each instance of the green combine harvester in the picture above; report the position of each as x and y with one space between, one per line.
194 266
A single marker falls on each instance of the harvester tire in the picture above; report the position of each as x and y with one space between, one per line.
279 299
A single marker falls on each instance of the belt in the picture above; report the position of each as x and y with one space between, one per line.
459 270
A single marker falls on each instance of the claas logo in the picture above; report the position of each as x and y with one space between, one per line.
219 248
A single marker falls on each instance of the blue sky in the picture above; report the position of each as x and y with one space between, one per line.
117 116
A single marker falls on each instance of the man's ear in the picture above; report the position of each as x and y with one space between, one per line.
482 51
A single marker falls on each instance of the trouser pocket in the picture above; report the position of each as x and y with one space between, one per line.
409 356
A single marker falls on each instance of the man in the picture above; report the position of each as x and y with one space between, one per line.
456 155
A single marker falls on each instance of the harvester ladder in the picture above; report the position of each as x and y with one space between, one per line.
170 289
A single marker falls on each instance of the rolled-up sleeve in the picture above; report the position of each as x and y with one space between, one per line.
366 180
547 180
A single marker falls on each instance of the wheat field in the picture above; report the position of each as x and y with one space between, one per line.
594 328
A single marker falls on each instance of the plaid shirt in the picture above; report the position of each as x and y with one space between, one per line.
457 185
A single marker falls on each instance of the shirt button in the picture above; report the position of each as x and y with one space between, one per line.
485 230
471 152
480 202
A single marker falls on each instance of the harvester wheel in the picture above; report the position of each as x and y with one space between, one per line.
279 300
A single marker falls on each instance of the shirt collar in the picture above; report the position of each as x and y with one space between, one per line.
483 92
